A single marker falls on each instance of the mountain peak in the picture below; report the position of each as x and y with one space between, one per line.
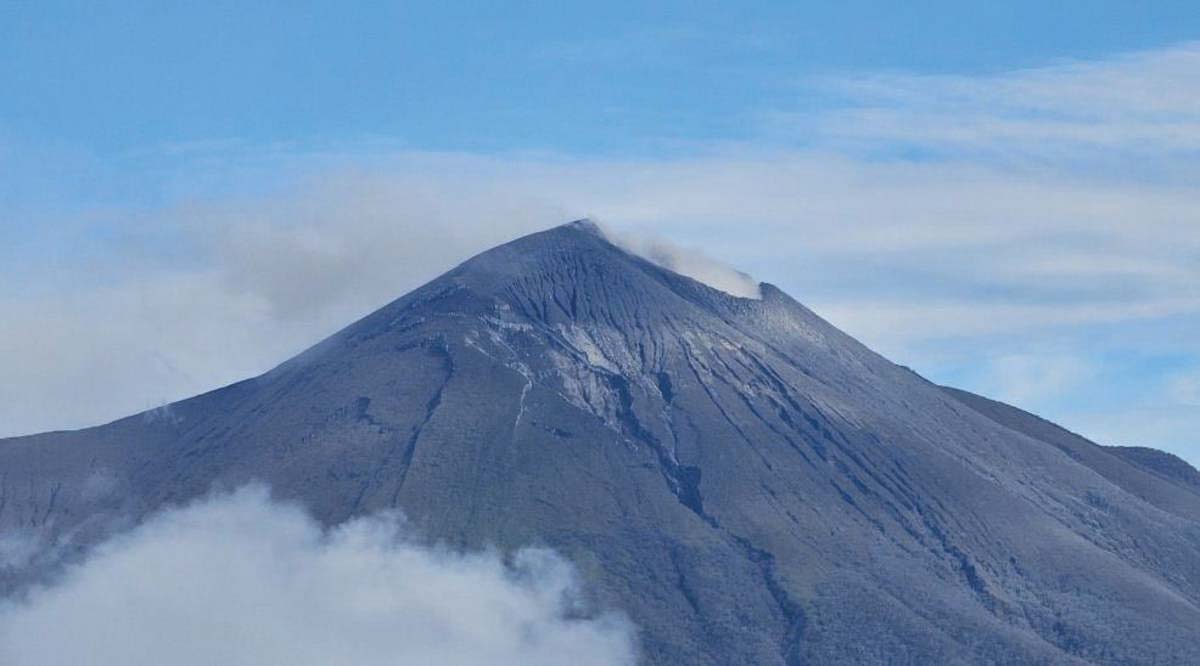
586 243
745 481
584 224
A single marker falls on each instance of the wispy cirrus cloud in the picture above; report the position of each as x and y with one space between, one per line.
1140 104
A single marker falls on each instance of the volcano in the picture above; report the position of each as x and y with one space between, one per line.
747 483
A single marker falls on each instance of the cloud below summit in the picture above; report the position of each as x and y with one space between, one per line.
240 580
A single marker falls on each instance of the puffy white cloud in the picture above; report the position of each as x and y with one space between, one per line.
238 579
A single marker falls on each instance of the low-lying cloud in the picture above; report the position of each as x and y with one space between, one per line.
240 580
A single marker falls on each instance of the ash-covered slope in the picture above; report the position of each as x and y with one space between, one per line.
1166 465
749 484
1137 470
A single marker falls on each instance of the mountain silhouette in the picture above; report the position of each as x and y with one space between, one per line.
748 483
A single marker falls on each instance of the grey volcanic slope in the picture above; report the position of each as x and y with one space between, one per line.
1137 470
749 484
1164 464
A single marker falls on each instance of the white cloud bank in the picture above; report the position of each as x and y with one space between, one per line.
238 580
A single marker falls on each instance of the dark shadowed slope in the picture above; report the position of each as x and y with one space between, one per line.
750 484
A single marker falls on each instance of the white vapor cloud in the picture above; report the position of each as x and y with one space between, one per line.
240 580
686 261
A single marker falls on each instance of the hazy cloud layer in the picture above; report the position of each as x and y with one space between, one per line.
238 579
930 216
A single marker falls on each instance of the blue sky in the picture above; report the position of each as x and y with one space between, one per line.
621 78
997 194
